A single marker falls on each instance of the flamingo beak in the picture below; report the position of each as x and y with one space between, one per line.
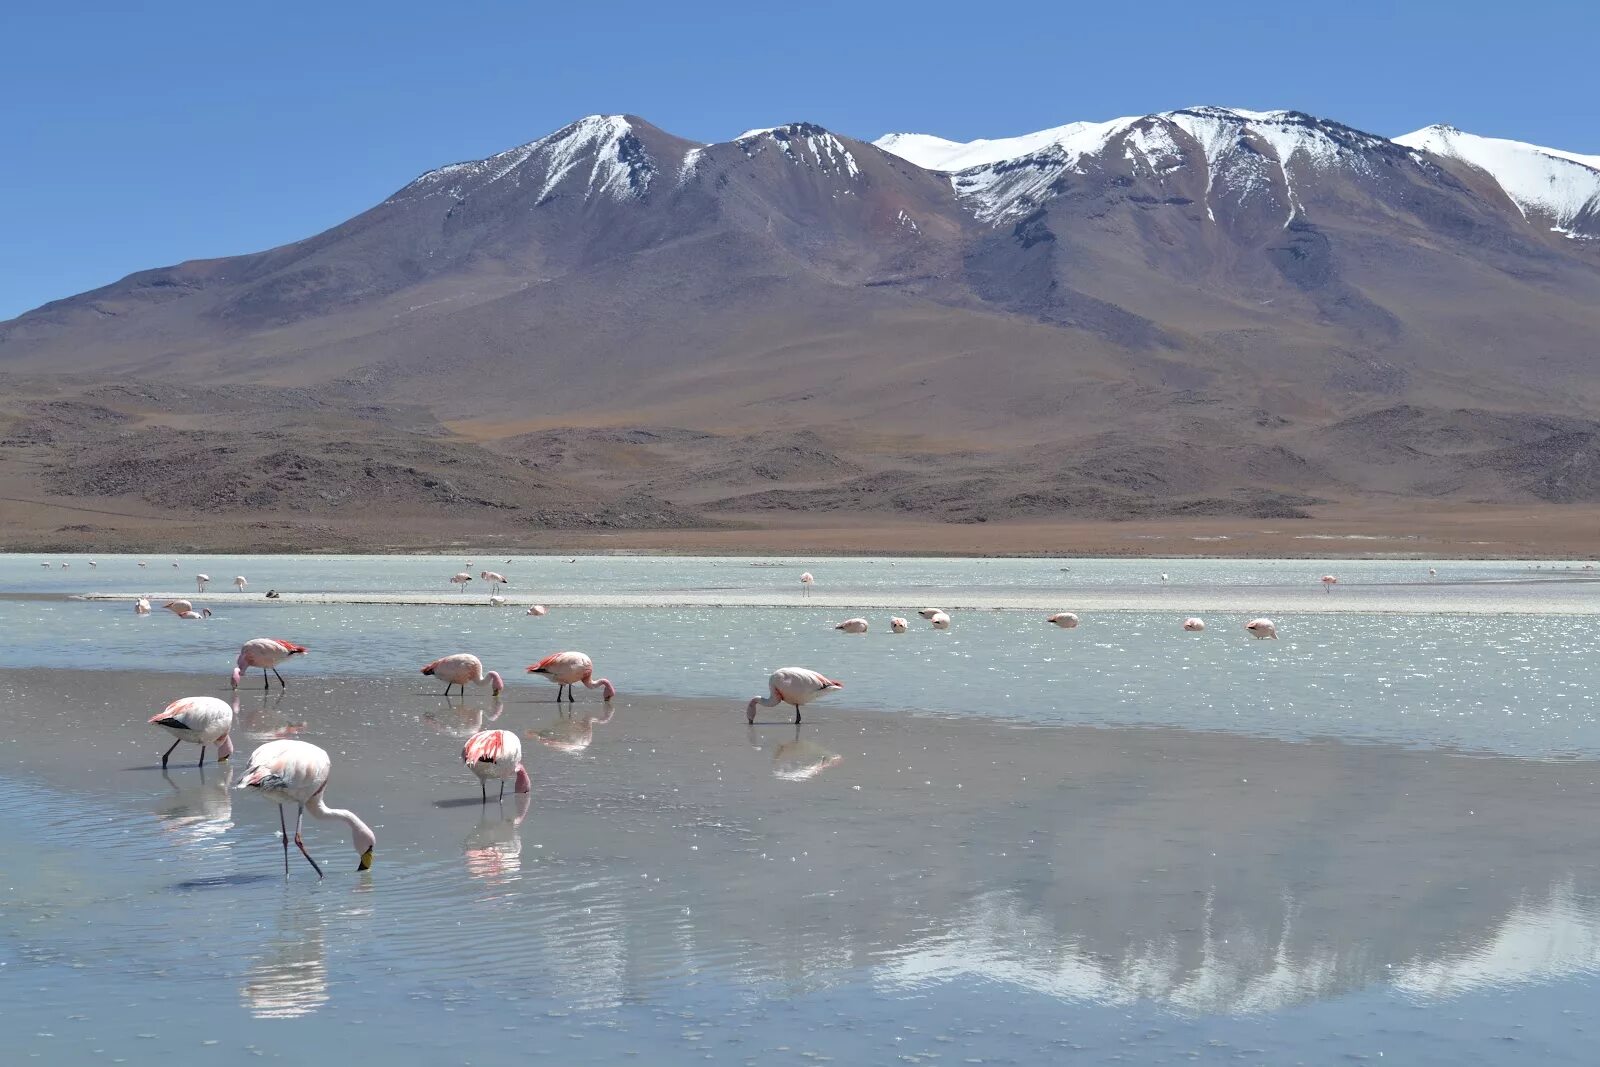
366 861
223 759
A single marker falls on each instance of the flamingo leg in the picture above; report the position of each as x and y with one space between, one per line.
285 827
502 790
202 762
278 676
483 787
167 753
797 714
300 843
266 683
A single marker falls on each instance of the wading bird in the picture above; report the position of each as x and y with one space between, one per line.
297 772
239 583
178 607
199 720
1064 619
462 668
853 626
1262 629
203 613
569 668
496 754
1328 582
1194 625
538 609
141 606
461 579
898 625
806 582
266 653
200 581
494 578
791 685
939 621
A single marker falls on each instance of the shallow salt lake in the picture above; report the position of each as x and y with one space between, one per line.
1007 843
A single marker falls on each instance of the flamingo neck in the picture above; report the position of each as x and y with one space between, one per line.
224 747
524 783
495 681
602 683
237 673
361 835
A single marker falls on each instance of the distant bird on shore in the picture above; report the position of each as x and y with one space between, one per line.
239 583
461 669
494 578
898 625
791 685
142 563
92 563
806 582
266 653
853 626
297 772
178 607
1328 582
141 606
569 668
461 579
203 613
1064 619
199 720
200 581
497 601
939 621
496 754
1194 625
538 609
1262 629
272 594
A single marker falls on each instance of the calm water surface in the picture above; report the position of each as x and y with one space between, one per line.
982 881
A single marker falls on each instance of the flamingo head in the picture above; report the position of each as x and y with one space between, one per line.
524 783
832 685
363 841
750 710
237 674
607 690
497 684
205 613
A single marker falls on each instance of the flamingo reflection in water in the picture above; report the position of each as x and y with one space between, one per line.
290 977
493 849
570 732
800 760
198 813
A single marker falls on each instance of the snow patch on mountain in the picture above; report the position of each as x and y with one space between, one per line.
1559 186
600 149
803 143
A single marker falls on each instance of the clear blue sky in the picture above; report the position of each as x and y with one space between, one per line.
136 138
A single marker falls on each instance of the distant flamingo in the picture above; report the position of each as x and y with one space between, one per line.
806 582
46 566
142 563
1328 582
200 720
203 613
1262 629
1432 573
569 668
538 609
461 668
1163 576
853 626
178 607
200 581
494 578
297 771
495 754
929 613
898 625
66 566
461 579
1194 625
791 685
1064 619
939 621
92 563
497 601
141 606
266 653
239 583
174 566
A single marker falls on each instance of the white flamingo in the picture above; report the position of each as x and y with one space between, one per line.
1064 619
199 720
239 583
1193 625
1262 629
898 625
297 772
806 582
791 685
853 626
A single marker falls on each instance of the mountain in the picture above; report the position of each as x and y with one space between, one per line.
1205 311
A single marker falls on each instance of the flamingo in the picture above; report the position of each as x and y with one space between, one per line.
1193 625
1262 629
297 771
174 565
266 653
495 754
898 625
791 685
200 581
178 607
806 582
1064 619
1328 582
1163 576
494 578
92 563
567 668
1432 573
497 601
853 626
538 609
46 566
461 668
141 606
929 613
200 720
203 613
461 579
66 566
939 620
142 563
239 583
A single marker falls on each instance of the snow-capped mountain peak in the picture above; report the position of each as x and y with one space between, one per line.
803 143
1554 185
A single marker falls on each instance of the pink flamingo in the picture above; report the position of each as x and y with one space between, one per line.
1262 629
1193 625
568 668
266 653
203 613
461 579
898 625
939 620
200 720
495 754
297 771
791 685
806 582
200 581
853 626
141 606
239 583
1064 619
538 610
494 578
1328 582
461 668
178 607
